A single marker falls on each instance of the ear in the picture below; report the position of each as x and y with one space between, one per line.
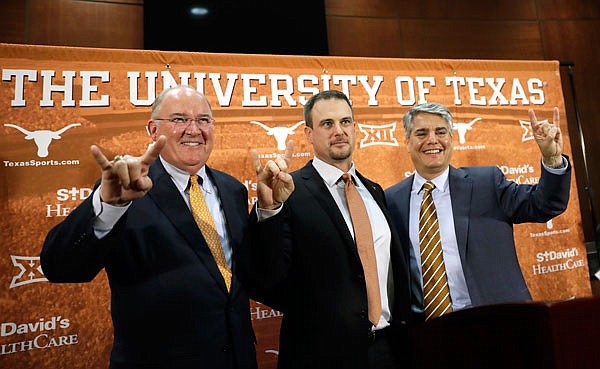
308 133
151 128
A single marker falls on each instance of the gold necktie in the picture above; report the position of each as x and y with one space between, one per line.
435 284
363 237
207 226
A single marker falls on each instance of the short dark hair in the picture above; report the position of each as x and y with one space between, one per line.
323 95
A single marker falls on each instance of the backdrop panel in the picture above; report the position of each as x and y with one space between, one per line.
56 101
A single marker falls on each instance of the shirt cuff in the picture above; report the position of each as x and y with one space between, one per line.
264 214
561 169
106 215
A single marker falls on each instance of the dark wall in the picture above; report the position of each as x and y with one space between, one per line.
236 26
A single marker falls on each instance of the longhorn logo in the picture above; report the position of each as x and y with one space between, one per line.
462 129
280 133
42 137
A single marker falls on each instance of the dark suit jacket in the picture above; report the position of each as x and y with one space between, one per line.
170 306
304 262
485 206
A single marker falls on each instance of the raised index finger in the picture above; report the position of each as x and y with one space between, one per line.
556 117
256 161
152 153
289 151
102 161
532 119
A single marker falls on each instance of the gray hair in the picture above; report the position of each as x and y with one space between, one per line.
159 99
431 108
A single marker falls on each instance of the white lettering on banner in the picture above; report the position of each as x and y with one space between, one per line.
551 256
409 90
30 270
74 193
534 95
54 323
259 313
42 341
550 233
57 210
553 268
39 163
64 194
469 147
555 255
250 185
49 90
521 172
521 169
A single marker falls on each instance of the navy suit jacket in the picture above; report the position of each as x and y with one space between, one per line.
169 304
485 206
304 262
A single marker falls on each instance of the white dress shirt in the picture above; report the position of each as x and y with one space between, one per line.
108 215
382 236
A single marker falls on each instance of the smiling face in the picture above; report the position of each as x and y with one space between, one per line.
332 133
188 146
430 145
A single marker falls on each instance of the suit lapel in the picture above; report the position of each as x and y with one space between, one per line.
404 211
167 197
231 220
315 185
461 188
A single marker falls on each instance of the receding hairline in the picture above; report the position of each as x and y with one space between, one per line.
173 90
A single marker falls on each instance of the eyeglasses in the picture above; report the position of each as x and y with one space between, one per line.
203 122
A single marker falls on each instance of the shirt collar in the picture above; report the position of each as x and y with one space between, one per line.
181 178
440 182
330 174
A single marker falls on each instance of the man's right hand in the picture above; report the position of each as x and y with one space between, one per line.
275 184
125 178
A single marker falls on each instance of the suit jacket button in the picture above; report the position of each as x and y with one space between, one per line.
226 348
363 314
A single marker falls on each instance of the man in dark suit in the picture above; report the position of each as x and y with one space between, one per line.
476 208
304 261
171 306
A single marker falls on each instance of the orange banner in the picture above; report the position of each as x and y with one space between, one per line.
57 101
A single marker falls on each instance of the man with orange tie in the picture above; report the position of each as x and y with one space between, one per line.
322 252
457 223
166 232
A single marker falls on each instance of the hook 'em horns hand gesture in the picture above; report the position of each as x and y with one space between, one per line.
125 178
548 137
275 184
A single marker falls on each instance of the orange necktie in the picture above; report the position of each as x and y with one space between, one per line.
363 237
207 226
436 294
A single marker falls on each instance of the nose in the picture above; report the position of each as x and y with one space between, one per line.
431 137
337 128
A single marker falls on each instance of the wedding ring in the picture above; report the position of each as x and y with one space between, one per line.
117 158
